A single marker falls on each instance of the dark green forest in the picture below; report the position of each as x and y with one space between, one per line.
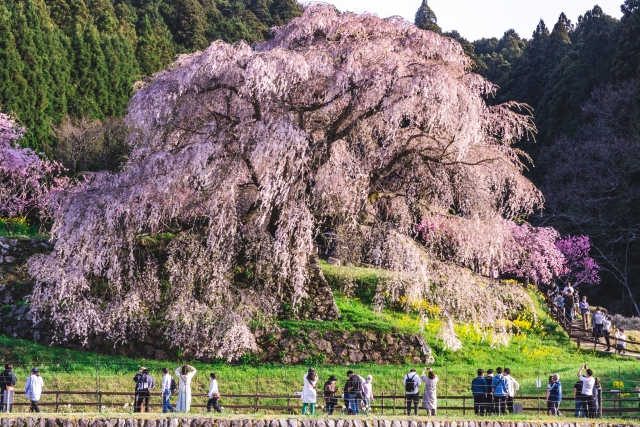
80 58
67 69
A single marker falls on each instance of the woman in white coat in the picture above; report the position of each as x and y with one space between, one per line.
185 373
33 389
429 400
309 392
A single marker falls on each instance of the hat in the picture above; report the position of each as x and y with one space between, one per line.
142 368
332 378
34 370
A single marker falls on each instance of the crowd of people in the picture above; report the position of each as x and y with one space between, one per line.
493 394
569 304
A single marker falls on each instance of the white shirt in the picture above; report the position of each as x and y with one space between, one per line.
587 385
416 381
512 385
166 382
566 289
621 336
33 387
597 318
309 394
213 388
185 380
606 324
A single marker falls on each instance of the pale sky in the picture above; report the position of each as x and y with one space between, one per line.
475 19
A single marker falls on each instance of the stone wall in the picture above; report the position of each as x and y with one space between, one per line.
9 421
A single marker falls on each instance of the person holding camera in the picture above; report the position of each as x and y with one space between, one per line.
588 382
429 399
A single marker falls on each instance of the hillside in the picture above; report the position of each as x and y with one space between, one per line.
537 349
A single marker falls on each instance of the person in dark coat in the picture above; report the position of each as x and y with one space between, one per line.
7 379
330 399
480 391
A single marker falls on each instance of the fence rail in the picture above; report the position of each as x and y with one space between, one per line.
390 404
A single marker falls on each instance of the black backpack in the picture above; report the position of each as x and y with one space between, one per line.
410 384
173 387
143 383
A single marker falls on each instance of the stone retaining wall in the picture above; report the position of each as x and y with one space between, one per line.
9 421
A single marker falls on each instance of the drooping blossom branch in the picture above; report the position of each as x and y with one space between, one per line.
26 179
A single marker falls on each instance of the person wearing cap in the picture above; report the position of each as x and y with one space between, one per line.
330 398
33 389
7 381
309 392
479 389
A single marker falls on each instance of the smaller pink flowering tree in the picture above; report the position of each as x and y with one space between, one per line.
26 180
580 269
539 258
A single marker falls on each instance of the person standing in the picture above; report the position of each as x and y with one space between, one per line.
554 395
145 384
429 398
367 388
185 374
213 394
584 312
309 391
479 388
166 391
411 383
489 405
588 383
568 305
597 391
33 389
580 405
598 319
568 288
353 389
330 390
512 387
606 331
7 381
500 393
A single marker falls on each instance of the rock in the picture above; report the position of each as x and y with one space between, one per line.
333 261
173 422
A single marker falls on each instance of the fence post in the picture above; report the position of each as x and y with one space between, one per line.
99 401
382 398
57 402
464 405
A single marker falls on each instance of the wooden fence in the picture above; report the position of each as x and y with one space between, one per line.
613 403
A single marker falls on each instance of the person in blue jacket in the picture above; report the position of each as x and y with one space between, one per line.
554 395
480 390
500 393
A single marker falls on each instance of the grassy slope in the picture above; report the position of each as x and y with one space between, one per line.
542 348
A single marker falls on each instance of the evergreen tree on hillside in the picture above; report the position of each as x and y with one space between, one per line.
626 63
426 18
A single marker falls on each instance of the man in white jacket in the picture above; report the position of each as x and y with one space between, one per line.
512 387
33 389
166 391
214 393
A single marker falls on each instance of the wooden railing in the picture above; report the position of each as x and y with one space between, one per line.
63 401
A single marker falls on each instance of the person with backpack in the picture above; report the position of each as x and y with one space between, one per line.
7 381
144 384
354 392
430 398
411 383
554 395
185 374
479 389
33 389
500 393
329 391
309 392
169 387
213 394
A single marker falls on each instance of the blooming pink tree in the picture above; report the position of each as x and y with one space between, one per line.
341 119
539 259
26 180
581 269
